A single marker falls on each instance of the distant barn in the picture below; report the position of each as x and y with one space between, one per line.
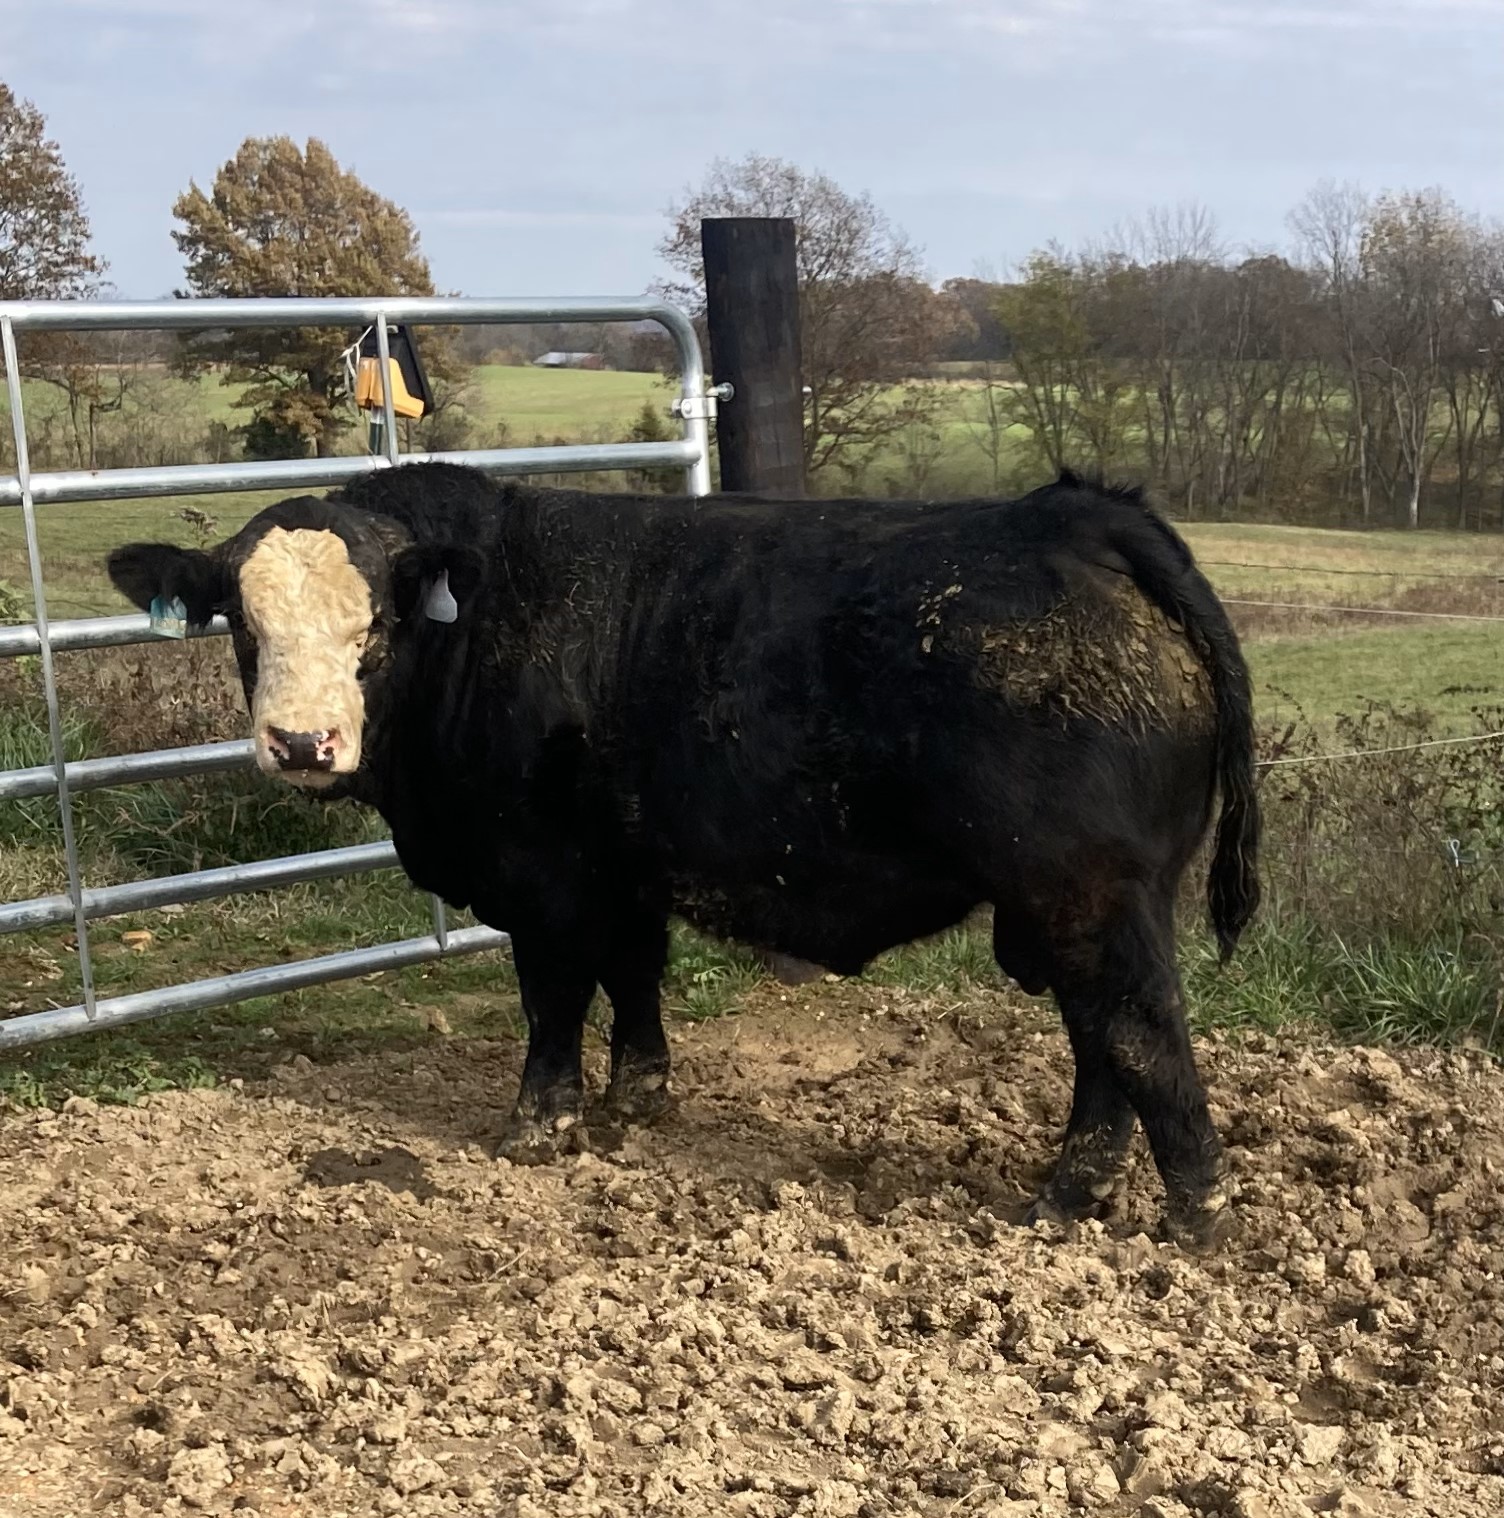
570 361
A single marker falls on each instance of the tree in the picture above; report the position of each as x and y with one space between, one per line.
651 425
44 255
1414 255
1469 366
1048 339
979 337
285 222
870 323
1329 224
1263 381
44 232
988 426
1063 318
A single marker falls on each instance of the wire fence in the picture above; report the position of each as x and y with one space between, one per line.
1369 753
1364 611
1495 576
1338 608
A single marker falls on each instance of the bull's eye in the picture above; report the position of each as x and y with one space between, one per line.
368 652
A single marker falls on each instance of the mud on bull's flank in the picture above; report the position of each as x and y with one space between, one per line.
1110 657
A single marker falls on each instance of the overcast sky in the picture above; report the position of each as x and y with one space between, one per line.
538 142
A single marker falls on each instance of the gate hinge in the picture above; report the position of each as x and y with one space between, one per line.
702 408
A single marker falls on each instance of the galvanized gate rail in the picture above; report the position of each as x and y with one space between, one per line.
82 904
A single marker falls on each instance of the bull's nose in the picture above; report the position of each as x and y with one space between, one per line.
303 751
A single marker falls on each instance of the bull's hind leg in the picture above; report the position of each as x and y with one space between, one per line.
1120 994
631 977
1097 1137
1101 1120
556 995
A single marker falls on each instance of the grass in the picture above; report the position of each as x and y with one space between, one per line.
570 403
1447 669
46 406
75 538
1317 664
960 957
392 1011
503 404
386 1013
706 978
1386 990
1347 563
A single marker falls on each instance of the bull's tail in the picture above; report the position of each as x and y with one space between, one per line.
1165 571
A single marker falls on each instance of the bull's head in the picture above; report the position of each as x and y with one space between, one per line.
319 596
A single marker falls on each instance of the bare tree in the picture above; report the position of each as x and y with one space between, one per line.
989 427
1471 347
97 374
870 322
1413 256
1329 224
1366 370
1490 315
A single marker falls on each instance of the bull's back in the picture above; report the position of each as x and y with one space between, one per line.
804 696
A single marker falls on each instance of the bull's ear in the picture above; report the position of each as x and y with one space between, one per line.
421 574
142 572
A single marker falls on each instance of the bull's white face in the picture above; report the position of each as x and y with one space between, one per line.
308 611
321 596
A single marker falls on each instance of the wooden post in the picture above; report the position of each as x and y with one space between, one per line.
752 311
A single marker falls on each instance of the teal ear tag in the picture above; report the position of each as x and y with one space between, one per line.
169 619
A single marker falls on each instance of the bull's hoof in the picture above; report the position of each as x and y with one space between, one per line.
1199 1230
540 1141
1062 1205
640 1097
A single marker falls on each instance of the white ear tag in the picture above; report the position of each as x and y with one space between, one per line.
440 605
169 619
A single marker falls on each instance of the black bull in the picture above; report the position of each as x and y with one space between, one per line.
823 728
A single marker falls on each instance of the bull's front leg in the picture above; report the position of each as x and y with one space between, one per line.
556 995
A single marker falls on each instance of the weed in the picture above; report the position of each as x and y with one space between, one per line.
706 979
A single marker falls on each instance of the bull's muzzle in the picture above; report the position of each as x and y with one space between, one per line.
304 751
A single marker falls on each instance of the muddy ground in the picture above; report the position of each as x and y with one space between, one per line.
803 1293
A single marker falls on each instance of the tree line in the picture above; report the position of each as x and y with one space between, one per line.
1356 376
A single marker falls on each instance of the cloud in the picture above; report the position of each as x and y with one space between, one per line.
537 141
519 217
1021 36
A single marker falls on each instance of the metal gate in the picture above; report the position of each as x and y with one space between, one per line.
83 904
